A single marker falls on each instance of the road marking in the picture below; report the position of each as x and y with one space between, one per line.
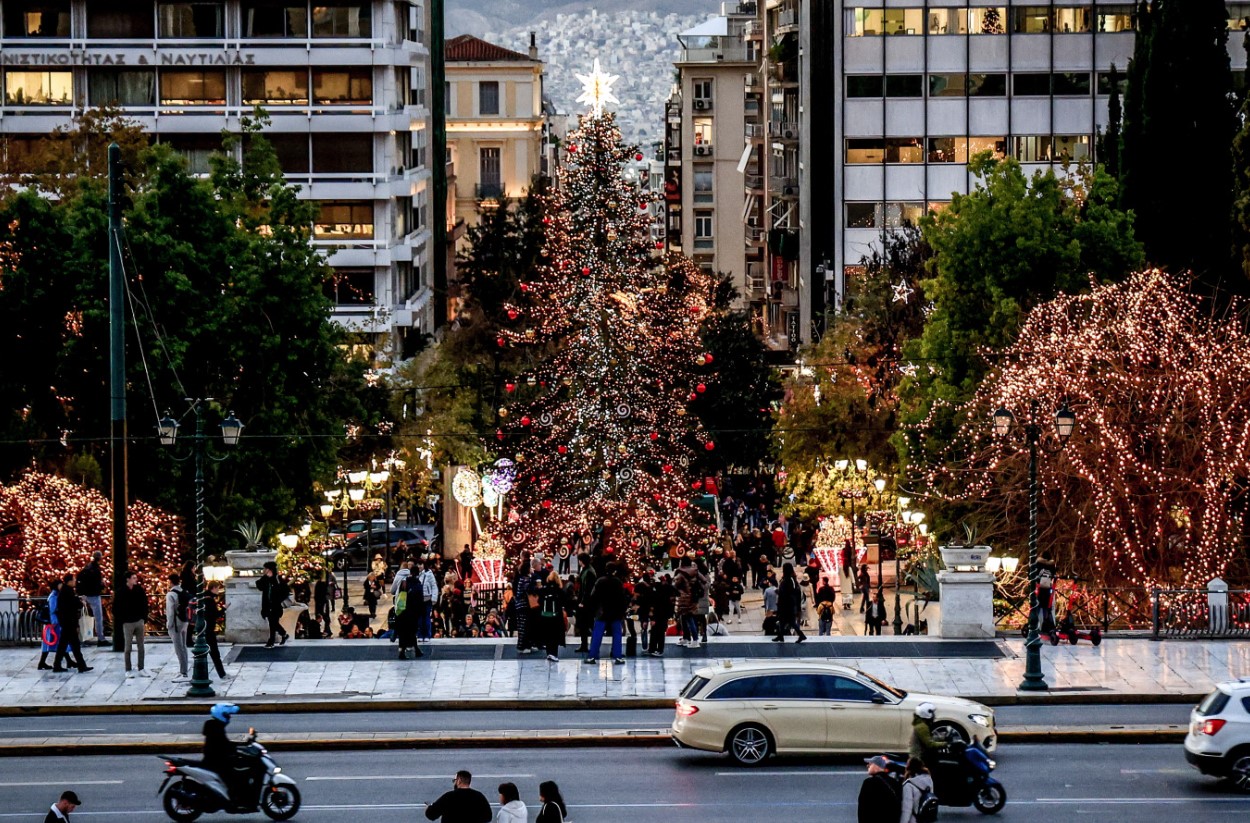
1156 771
1137 801
411 777
823 773
49 731
60 782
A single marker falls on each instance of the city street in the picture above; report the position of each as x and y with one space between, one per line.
334 722
1115 783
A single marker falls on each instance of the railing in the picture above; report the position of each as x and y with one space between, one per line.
717 54
778 185
754 182
1109 608
20 624
754 234
787 19
784 129
1200 613
754 131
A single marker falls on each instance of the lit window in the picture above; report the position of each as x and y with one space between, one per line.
342 19
38 88
904 21
987 20
1116 18
1071 20
344 220
49 18
948 150
351 287
279 87
702 184
997 146
1031 19
948 21
353 87
193 88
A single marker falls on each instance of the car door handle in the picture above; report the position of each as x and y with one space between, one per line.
768 707
836 708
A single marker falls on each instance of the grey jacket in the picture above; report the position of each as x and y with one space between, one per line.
912 789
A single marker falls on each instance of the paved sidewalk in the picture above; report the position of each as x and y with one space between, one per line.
1127 669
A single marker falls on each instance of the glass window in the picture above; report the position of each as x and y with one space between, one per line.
904 21
196 149
741 689
1071 84
987 20
903 214
1069 147
278 87
185 21
1115 18
863 215
904 85
292 151
1213 703
995 145
703 225
274 18
703 184
1033 148
1073 19
342 19
489 172
695 686
987 85
340 153
351 287
844 688
121 88
38 88
344 220
120 18
193 88
947 85
1031 19
865 85
866 22
1104 82
904 150
948 150
352 87
1030 84
702 89
488 97
702 131
790 687
49 18
865 150
948 21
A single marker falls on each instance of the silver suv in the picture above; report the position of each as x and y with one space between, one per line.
1218 742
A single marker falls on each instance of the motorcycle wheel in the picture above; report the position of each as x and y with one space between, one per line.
280 802
990 799
1054 639
1074 638
1095 637
179 803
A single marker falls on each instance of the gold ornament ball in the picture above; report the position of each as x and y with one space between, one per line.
520 458
503 412
681 412
607 524
621 448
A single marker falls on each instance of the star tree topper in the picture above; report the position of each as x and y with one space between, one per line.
597 89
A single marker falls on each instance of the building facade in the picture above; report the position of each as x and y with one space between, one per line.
870 112
496 125
342 81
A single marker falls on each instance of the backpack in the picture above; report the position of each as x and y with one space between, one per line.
401 599
926 810
1045 578
186 607
551 604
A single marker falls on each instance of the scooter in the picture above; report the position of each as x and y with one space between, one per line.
258 783
1067 630
961 778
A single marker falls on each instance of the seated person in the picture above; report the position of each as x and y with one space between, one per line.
347 619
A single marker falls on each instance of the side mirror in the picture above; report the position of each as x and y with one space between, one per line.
879 699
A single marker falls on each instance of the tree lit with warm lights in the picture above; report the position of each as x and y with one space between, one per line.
600 428
1151 489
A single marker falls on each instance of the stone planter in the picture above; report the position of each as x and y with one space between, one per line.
965 558
243 621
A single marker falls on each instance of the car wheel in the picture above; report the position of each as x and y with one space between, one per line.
340 562
950 732
749 745
1239 770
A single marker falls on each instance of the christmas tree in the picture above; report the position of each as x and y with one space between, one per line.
600 430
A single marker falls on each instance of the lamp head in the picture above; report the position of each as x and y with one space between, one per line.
167 429
880 484
1002 421
841 465
861 465
1065 423
326 510
231 429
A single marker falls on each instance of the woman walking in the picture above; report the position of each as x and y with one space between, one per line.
50 632
511 807
916 781
789 604
551 804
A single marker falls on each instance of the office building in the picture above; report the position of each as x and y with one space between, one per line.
344 83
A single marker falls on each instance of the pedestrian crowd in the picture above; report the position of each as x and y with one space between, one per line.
465 804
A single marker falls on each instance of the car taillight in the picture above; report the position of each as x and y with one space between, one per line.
1212 726
687 710
170 768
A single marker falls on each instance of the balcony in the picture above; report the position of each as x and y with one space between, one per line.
787 21
488 191
754 131
756 283
672 156
754 236
784 186
703 150
754 182
752 85
730 52
753 31
784 129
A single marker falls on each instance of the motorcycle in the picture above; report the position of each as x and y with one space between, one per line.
257 784
961 778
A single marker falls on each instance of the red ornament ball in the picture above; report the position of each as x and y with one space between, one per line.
546 221
693 397
562 449
701 388
709 445
525 420
659 244
696 485
707 359
655 435
546 504
499 434
586 270
500 341
509 387
572 148
513 314
525 287
638 157
642 206
668 468
681 504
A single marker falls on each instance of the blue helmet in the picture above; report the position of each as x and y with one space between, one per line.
223 711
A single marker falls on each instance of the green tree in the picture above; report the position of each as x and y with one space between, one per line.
1241 181
1009 244
1109 141
1181 95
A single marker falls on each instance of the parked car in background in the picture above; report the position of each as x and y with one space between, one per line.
358 552
754 710
1218 742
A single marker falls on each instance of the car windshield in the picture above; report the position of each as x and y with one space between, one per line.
899 693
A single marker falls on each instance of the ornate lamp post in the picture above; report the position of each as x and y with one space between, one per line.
231 429
1065 424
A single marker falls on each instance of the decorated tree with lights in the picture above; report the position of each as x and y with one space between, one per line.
1151 489
599 429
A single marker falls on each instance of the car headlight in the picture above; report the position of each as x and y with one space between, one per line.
980 720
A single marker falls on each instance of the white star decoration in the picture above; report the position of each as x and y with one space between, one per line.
902 291
597 89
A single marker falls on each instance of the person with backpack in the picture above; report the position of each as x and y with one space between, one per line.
407 607
273 594
1046 573
879 793
825 606
177 605
691 587
551 616
920 804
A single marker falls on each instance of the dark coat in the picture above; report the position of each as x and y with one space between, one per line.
273 591
608 599
91 580
130 605
663 602
463 806
68 610
789 598
879 799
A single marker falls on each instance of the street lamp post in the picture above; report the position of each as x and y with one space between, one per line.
231 429
1065 423
903 503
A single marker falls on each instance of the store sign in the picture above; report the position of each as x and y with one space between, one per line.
98 58
792 328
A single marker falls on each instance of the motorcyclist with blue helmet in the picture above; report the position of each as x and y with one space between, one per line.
219 751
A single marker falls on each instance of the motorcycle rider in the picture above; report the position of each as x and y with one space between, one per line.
922 743
219 750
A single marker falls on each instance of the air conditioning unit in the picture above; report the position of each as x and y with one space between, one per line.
789 191
789 134
702 104
702 151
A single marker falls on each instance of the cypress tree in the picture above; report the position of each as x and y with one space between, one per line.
1109 141
1180 107
1241 183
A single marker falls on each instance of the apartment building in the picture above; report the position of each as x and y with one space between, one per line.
343 81
709 216
497 131
871 110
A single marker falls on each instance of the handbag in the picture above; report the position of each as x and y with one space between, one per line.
86 624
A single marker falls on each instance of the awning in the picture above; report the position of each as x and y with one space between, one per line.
716 27
745 159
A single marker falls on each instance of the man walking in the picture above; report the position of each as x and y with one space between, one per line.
59 813
130 611
91 589
460 805
273 593
176 603
68 611
878 794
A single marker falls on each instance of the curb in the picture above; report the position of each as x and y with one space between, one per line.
303 705
642 738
